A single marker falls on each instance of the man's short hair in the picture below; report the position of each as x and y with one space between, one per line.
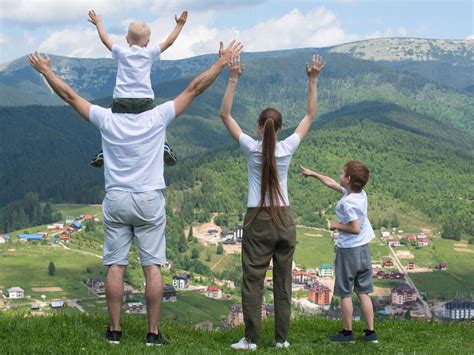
138 33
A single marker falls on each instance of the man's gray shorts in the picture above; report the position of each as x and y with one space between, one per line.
353 271
129 215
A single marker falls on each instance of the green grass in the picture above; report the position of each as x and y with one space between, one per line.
73 334
311 252
26 266
77 210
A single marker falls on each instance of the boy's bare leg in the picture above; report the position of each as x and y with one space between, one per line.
346 308
367 310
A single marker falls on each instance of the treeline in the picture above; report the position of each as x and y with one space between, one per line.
28 211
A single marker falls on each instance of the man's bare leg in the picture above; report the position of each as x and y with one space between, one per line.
153 295
114 294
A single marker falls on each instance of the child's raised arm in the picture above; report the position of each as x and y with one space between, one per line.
313 72
97 21
326 180
180 21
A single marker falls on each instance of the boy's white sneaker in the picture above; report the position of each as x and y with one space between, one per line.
278 345
243 344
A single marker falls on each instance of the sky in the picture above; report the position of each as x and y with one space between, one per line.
60 26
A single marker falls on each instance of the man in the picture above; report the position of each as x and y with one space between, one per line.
134 205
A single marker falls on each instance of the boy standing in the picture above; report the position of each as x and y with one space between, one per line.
133 92
353 262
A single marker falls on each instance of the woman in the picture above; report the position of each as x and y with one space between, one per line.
269 229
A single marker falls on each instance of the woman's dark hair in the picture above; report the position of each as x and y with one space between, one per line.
270 122
359 174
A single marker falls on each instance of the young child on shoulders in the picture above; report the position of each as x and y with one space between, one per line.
133 92
353 263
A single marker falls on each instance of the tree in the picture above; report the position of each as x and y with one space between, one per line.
395 222
182 244
190 235
51 269
208 255
220 249
194 253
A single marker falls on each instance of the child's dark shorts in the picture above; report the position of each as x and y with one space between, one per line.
353 271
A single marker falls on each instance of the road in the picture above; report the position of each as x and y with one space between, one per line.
410 282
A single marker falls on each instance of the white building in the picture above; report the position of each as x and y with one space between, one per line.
15 292
459 310
181 281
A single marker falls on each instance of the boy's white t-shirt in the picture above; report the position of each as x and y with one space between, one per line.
349 208
133 146
133 71
284 150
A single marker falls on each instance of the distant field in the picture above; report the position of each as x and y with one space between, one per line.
311 252
77 210
26 266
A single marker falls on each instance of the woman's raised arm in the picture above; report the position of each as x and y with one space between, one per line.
235 71
316 66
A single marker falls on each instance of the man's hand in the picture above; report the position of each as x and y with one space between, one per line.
316 66
235 69
94 18
181 20
235 48
40 63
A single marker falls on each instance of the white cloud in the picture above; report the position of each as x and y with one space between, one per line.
470 37
4 39
54 11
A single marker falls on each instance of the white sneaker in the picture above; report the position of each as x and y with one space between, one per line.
279 345
243 344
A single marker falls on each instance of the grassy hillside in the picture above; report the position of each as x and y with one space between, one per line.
81 334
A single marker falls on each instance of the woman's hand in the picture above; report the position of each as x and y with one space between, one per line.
235 69
316 66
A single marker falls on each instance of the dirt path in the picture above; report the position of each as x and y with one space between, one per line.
214 266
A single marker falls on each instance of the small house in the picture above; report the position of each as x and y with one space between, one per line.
181 281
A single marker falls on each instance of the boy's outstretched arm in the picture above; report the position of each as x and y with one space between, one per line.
97 21
313 72
326 180
235 71
180 21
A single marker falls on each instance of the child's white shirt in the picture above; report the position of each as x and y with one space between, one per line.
133 71
349 208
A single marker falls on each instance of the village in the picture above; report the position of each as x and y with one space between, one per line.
312 287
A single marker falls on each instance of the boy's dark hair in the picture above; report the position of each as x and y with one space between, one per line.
359 174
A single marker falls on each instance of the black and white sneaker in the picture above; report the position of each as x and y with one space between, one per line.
113 336
341 337
153 339
369 336
98 160
169 156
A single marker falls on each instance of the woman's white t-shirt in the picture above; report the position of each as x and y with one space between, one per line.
284 150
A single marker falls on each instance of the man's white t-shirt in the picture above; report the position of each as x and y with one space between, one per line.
349 208
284 150
133 71
133 146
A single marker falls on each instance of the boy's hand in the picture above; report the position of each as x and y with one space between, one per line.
333 225
235 69
40 63
316 66
94 18
306 172
181 20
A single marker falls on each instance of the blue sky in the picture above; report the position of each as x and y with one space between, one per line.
60 27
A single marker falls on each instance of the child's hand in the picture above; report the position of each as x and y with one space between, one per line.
94 18
181 20
316 66
306 172
235 69
333 225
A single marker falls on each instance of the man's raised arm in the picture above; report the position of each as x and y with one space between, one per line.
206 78
43 66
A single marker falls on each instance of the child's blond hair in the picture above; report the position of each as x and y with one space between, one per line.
138 33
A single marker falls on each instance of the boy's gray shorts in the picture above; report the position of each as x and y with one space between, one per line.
353 271
129 215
